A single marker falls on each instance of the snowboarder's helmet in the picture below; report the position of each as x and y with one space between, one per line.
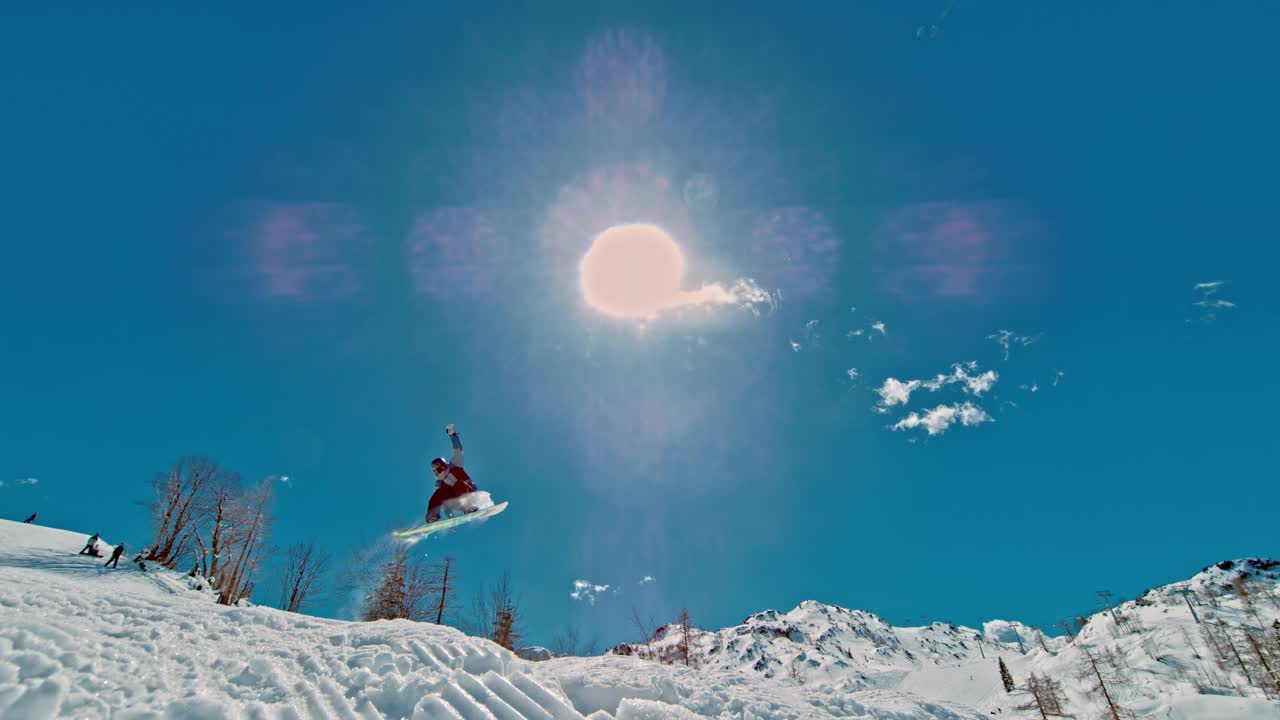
438 465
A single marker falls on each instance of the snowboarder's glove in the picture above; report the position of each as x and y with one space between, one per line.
448 429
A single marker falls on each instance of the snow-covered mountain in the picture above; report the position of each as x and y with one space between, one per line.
825 644
1156 648
81 641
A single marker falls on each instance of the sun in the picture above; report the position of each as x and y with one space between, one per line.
632 271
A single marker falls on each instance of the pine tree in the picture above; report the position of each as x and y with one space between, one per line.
1005 677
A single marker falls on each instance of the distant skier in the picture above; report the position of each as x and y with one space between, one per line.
452 481
91 546
114 562
30 519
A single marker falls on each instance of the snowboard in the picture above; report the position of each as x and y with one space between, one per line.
447 523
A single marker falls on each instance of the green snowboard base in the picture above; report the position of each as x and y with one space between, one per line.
455 521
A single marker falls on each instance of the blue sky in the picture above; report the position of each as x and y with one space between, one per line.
301 240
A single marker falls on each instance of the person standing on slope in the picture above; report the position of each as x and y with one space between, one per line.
452 481
114 562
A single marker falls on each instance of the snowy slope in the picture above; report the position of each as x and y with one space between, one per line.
78 640
1161 649
1166 660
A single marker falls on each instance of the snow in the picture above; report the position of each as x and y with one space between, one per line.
854 653
80 640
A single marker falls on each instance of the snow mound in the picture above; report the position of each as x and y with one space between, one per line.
80 640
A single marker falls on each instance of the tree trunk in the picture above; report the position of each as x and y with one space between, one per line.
1111 706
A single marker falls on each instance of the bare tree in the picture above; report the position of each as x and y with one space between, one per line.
1066 628
302 568
496 614
1046 697
440 582
403 588
686 635
1268 680
565 644
247 546
1040 637
1263 590
179 506
645 633
794 670
1129 623
223 492
389 600
1104 671
1218 637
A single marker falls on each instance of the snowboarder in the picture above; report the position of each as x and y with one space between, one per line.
452 482
30 519
114 562
91 546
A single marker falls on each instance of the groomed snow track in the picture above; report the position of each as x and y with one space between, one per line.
79 640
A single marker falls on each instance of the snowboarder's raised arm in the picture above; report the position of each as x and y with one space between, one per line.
456 461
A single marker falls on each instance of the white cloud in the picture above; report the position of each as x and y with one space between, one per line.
743 293
795 346
27 481
647 579
1007 338
879 327
852 373
1206 301
942 417
855 333
587 590
895 392
973 384
1057 377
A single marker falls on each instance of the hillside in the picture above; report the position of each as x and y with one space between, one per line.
1160 654
78 640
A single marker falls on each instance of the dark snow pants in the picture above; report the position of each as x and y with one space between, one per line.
447 492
